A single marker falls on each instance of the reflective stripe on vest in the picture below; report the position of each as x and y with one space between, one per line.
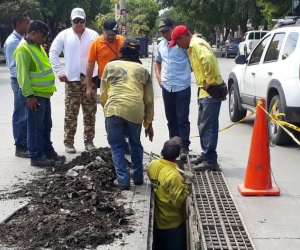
42 83
43 73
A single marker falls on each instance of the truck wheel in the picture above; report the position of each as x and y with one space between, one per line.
235 113
277 135
245 53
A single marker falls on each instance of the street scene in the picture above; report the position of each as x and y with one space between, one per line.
150 131
271 221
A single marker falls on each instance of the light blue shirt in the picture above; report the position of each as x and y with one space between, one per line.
9 47
175 67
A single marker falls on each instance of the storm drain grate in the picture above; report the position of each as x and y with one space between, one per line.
220 224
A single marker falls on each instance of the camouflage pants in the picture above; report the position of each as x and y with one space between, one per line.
74 97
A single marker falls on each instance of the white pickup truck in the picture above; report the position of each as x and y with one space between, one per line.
251 38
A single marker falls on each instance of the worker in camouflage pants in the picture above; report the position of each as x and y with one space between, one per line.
74 42
75 96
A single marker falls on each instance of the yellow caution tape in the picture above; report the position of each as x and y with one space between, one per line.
244 119
274 118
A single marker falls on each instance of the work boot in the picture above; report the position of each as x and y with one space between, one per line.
90 147
42 163
55 157
116 183
205 165
197 160
184 152
22 151
69 148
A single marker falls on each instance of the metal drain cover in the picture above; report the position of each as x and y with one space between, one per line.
219 223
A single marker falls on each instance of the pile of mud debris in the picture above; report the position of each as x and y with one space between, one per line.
72 207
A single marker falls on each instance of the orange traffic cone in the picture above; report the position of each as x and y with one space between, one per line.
258 176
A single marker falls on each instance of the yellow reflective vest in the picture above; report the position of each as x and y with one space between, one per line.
170 194
35 74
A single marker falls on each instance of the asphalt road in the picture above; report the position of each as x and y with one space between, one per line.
273 222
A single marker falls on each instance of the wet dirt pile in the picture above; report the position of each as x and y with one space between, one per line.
72 207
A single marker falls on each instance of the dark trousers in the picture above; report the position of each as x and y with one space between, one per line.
39 124
170 239
19 120
177 109
208 126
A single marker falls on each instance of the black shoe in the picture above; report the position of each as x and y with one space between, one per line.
43 163
56 157
22 151
205 165
116 183
197 160
184 152
138 183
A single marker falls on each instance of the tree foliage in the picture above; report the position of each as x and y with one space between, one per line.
9 8
204 16
228 14
53 12
140 19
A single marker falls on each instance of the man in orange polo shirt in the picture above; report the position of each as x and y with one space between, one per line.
102 50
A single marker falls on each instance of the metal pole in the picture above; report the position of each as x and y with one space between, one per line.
122 5
123 17
116 11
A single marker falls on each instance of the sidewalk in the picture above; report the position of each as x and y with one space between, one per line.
14 172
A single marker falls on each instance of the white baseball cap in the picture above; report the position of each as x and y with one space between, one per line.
78 13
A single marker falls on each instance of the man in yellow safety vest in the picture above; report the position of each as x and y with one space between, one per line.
36 80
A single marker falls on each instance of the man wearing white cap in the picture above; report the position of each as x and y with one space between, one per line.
75 43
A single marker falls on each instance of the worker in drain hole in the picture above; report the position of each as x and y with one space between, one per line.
171 190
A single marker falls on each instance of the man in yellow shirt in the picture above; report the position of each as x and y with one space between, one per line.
126 95
171 190
208 78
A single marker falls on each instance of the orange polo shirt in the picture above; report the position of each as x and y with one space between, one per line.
102 52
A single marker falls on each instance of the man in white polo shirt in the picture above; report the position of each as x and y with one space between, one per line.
75 42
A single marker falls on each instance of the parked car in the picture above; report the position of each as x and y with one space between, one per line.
272 71
251 38
230 47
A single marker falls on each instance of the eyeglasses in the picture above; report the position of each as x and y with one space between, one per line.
76 21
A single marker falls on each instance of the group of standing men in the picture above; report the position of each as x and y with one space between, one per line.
126 95
86 55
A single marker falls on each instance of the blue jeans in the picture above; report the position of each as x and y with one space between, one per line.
19 120
39 124
116 128
177 109
170 239
208 125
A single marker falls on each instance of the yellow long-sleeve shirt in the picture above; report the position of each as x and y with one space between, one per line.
204 64
170 194
127 91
